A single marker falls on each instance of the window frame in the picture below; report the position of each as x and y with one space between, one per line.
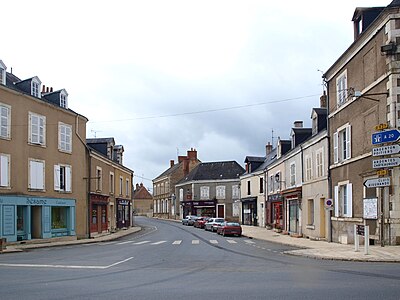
5 170
112 183
344 199
127 187
308 167
204 192
220 192
41 129
121 185
63 178
342 143
292 174
341 89
319 165
63 145
34 169
35 87
7 117
99 179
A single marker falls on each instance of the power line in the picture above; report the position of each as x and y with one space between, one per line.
207 110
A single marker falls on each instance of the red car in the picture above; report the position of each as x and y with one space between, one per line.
230 228
200 222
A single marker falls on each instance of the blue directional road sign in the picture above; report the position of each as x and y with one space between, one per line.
385 136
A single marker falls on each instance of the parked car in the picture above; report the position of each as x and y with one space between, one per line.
213 224
230 228
189 220
200 222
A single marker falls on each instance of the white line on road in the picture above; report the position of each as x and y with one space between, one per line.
231 242
213 241
141 243
158 243
123 243
195 242
177 242
248 242
65 266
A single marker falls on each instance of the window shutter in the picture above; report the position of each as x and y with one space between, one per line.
40 175
59 136
68 178
68 138
4 167
349 200
348 141
337 202
42 130
335 148
56 177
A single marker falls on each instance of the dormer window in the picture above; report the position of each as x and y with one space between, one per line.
64 99
3 69
314 124
35 87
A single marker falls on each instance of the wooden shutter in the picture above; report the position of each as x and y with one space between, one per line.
337 202
4 167
348 142
68 178
335 148
349 200
57 177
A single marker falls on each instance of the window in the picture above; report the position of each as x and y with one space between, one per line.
292 174
271 183
342 144
37 129
235 191
120 185
36 175
4 170
248 187
278 180
220 192
314 124
181 195
58 217
35 87
261 185
5 121
63 99
341 88
319 163
111 183
62 178
310 220
64 137
99 179
2 73
343 200
127 187
308 168
204 192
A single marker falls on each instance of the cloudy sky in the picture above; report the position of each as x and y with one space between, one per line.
164 76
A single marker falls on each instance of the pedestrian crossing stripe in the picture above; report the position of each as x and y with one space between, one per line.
158 243
213 241
195 242
249 242
231 241
177 242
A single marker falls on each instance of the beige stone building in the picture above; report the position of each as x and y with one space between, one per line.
142 201
42 162
363 90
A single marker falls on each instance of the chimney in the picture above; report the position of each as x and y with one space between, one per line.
51 89
47 89
298 124
323 100
43 89
181 158
268 148
137 186
192 154
186 166
171 163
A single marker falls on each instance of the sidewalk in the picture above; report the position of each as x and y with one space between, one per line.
322 249
66 241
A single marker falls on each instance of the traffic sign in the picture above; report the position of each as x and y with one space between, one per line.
386 150
377 182
385 136
386 162
382 172
382 126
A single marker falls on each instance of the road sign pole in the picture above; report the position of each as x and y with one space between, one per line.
366 240
356 239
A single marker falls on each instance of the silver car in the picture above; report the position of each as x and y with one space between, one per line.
189 220
214 223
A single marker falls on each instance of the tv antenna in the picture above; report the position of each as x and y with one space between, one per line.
95 132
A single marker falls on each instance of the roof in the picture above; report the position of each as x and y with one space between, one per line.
215 171
269 159
168 171
394 3
320 111
254 159
100 140
142 193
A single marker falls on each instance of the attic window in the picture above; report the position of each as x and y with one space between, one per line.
2 73
314 125
63 100
35 87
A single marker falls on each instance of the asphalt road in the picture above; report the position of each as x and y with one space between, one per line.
167 260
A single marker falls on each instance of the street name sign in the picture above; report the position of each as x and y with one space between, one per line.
386 150
377 182
386 136
386 162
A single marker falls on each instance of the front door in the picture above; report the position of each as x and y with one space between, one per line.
21 223
220 211
293 215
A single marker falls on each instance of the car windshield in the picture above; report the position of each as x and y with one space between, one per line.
232 224
219 220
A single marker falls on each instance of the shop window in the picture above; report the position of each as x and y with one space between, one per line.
310 203
58 217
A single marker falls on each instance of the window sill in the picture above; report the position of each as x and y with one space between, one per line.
312 227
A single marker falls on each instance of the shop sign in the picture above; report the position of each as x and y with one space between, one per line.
275 197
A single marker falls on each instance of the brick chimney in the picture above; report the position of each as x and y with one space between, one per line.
192 154
323 100
268 148
171 163
298 124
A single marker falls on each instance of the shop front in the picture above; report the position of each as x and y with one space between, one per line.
199 208
99 216
275 211
249 211
292 200
26 218
123 213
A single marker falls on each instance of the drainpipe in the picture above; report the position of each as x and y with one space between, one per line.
89 171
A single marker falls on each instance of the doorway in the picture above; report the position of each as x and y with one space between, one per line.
36 222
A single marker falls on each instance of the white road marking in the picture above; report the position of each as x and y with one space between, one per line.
106 243
231 241
195 242
141 243
178 242
123 243
249 242
158 243
65 266
213 241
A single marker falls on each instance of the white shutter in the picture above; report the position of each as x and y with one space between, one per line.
348 141
68 178
337 202
68 138
40 175
57 177
60 136
4 167
335 148
349 200
42 130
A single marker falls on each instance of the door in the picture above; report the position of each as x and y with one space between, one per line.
293 216
21 222
221 211
36 222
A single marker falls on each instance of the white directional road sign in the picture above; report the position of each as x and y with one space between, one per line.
377 182
386 162
386 150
